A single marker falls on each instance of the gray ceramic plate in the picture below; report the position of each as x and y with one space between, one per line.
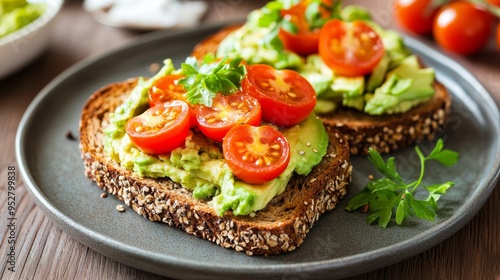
339 245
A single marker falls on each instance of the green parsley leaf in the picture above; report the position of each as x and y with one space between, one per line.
435 192
315 12
203 82
388 169
445 157
289 27
270 14
390 196
402 211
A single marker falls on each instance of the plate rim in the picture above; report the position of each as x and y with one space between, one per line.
431 236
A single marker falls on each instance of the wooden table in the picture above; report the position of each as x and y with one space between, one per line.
45 252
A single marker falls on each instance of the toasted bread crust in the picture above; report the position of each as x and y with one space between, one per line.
278 228
386 133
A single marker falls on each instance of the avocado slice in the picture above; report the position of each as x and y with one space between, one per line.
406 86
378 74
308 144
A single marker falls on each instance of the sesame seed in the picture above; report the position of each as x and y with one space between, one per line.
120 208
301 153
315 150
370 176
103 195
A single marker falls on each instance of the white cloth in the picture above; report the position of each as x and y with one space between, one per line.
148 14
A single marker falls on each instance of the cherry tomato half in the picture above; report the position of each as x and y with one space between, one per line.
226 112
305 41
462 27
415 15
168 88
350 48
494 2
256 154
161 128
286 97
165 89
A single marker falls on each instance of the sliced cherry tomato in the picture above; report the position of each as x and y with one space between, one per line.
226 112
256 154
286 97
168 88
161 128
462 27
305 41
350 48
494 2
415 15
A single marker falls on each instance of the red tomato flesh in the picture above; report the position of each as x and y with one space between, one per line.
168 88
285 96
305 41
227 111
256 154
350 48
161 128
494 2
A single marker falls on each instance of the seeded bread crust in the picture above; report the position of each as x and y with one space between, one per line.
386 133
280 227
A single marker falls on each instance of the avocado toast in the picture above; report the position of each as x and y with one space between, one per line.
256 219
397 104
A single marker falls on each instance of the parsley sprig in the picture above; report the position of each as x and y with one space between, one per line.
203 81
271 17
390 196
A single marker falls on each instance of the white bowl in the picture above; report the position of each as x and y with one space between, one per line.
22 46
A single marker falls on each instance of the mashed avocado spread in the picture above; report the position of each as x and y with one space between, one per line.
15 14
199 165
398 70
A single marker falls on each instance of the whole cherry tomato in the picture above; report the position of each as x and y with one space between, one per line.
350 48
256 154
462 27
161 128
286 97
415 16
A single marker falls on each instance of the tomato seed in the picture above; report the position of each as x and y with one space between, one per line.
268 160
364 37
275 146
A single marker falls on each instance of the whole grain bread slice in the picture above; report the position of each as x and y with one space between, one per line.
385 133
280 227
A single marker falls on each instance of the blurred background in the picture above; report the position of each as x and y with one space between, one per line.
77 30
